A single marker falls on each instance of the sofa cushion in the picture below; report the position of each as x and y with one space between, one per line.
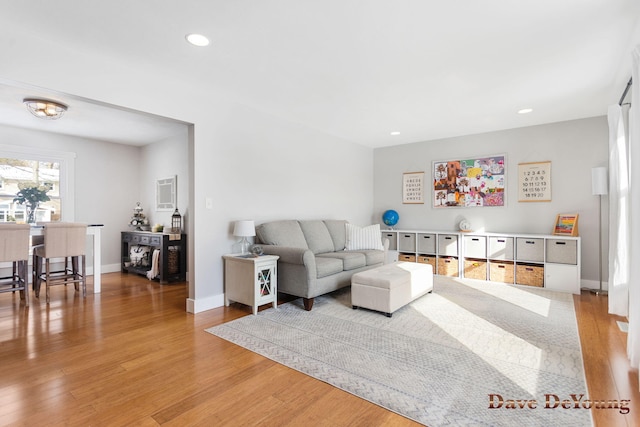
350 260
327 266
359 238
372 257
338 233
282 233
317 236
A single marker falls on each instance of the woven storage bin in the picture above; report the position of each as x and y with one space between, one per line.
530 274
448 266
475 269
501 271
406 257
174 260
428 259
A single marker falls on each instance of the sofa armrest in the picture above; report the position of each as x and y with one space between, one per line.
385 245
291 255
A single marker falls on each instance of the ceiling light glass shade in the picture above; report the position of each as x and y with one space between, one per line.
197 40
44 109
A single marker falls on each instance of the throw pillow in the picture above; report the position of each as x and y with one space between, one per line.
363 238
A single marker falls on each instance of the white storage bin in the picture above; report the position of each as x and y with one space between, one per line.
562 251
407 242
529 249
393 239
426 243
475 246
448 244
501 248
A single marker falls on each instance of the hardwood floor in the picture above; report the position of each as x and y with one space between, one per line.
132 356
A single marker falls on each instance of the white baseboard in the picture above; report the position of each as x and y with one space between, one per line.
593 284
203 304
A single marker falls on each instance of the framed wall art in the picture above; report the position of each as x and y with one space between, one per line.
469 182
166 194
413 187
534 182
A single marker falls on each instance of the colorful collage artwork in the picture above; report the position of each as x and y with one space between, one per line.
467 183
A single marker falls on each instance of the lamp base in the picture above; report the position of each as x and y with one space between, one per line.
598 292
243 246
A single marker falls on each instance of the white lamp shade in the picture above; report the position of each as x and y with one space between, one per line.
599 181
244 229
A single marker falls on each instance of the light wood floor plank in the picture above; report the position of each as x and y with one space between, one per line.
133 356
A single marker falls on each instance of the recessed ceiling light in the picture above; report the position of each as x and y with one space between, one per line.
525 111
197 40
395 132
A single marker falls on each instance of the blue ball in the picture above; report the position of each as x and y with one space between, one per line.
390 218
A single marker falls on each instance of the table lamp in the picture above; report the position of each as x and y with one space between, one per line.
244 229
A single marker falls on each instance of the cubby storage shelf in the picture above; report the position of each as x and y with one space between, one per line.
538 260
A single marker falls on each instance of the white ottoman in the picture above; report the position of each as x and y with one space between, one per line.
391 286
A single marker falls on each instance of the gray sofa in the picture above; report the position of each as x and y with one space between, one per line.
313 260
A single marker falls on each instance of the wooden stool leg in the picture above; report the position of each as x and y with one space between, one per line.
24 275
47 278
84 276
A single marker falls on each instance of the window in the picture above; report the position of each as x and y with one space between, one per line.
21 166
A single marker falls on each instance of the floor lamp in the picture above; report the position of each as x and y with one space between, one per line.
599 188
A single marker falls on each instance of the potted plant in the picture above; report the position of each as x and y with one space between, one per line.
31 195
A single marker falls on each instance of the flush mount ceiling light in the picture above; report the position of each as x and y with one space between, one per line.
394 133
44 109
525 111
197 40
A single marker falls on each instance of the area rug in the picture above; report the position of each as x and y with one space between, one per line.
472 353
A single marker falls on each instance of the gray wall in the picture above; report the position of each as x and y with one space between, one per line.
573 148
165 159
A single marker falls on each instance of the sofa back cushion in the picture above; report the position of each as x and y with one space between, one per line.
337 230
317 236
282 233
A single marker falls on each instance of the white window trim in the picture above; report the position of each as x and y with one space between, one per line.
67 171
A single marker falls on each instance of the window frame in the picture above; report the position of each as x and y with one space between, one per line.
67 171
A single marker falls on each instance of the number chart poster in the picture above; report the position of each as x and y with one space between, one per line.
534 182
469 183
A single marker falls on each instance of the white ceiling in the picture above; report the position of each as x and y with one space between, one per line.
355 69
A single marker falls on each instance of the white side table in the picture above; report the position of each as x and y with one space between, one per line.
251 280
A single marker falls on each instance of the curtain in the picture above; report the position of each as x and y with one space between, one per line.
618 215
633 339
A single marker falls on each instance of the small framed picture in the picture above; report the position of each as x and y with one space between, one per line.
566 225
413 187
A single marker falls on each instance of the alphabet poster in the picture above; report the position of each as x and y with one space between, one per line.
469 182
413 187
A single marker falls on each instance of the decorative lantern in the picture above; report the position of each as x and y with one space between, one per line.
176 222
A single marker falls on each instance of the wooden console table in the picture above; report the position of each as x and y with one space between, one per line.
172 262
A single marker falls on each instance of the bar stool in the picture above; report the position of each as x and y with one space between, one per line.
14 248
61 240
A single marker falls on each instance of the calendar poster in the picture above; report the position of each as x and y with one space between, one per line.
534 182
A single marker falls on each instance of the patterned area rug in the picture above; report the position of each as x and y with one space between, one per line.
472 353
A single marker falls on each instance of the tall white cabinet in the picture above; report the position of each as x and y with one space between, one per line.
548 261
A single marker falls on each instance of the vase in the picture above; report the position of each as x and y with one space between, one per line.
31 213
